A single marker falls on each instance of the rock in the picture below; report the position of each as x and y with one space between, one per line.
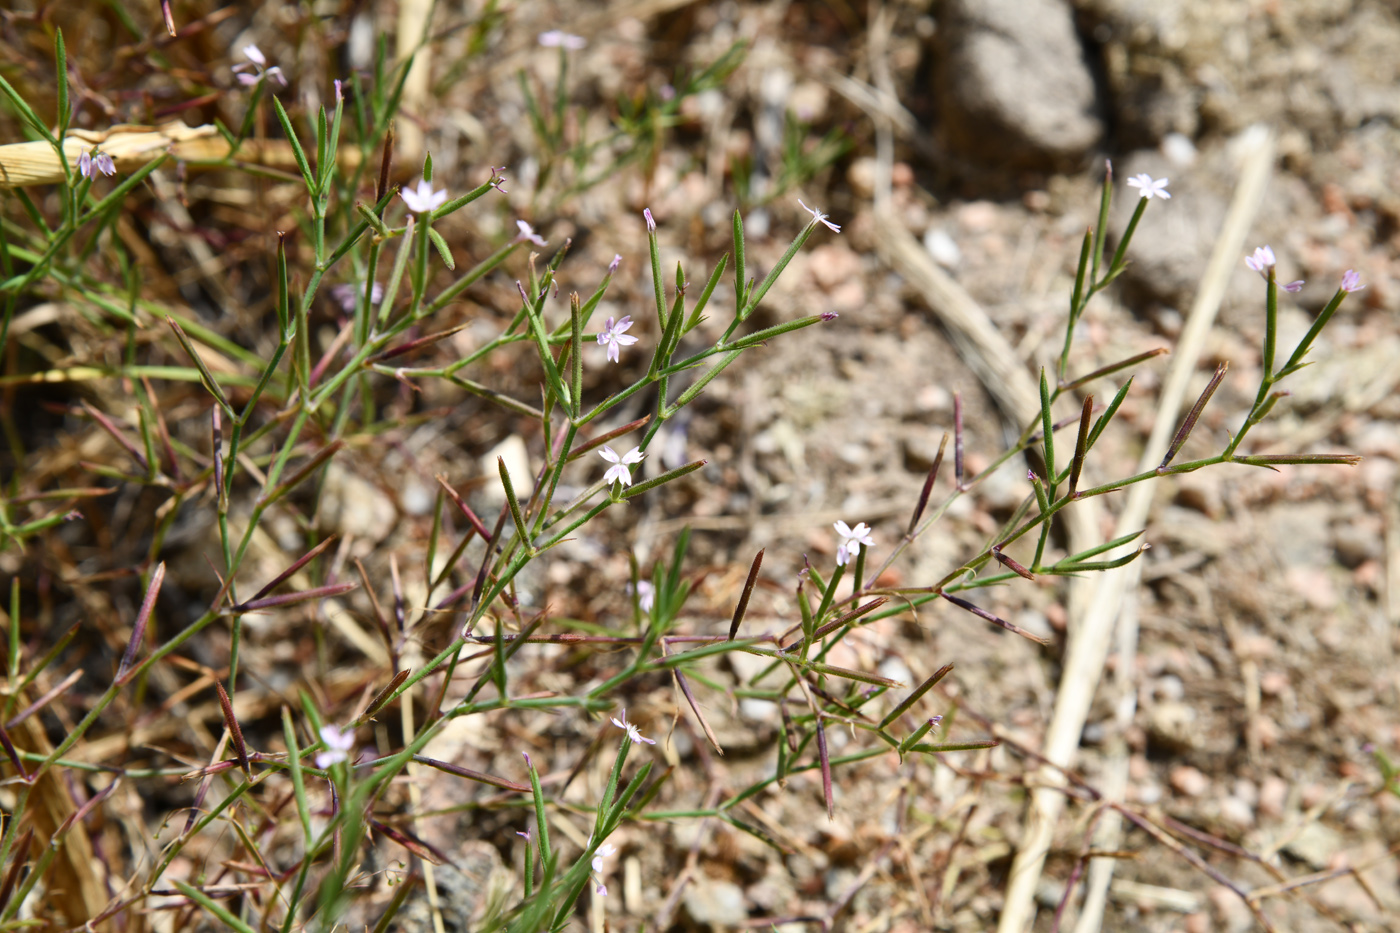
1013 84
942 247
1273 795
353 506
1172 244
920 450
1237 811
1315 844
1172 724
715 903
512 451
1189 781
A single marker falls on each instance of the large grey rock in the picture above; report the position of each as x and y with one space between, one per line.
1013 85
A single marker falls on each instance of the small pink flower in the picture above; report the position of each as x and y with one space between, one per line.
615 337
255 68
620 471
348 295
651 224
1262 259
633 733
851 540
90 163
559 39
1148 188
423 199
1294 286
338 746
1351 281
527 234
606 850
646 594
617 261
819 218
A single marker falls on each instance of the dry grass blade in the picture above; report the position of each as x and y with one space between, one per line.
914 696
743 606
138 631
46 699
18 856
235 731
116 434
928 485
470 775
995 620
383 695
1195 414
300 563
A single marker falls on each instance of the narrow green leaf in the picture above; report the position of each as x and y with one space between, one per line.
297 152
289 733
61 67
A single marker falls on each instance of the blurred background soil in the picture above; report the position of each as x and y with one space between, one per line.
1265 671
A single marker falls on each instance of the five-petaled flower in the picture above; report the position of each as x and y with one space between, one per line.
633 732
851 540
348 295
819 218
255 68
1150 188
615 337
1351 281
423 199
339 742
646 594
90 163
559 39
620 472
527 234
1262 259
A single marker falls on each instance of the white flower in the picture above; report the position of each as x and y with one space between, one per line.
423 199
527 232
819 218
338 745
606 850
851 540
559 39
615 336
1262 259
254 69
1148 188
633 732
619 471
646 594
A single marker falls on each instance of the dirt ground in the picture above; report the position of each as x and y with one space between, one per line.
1264 677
